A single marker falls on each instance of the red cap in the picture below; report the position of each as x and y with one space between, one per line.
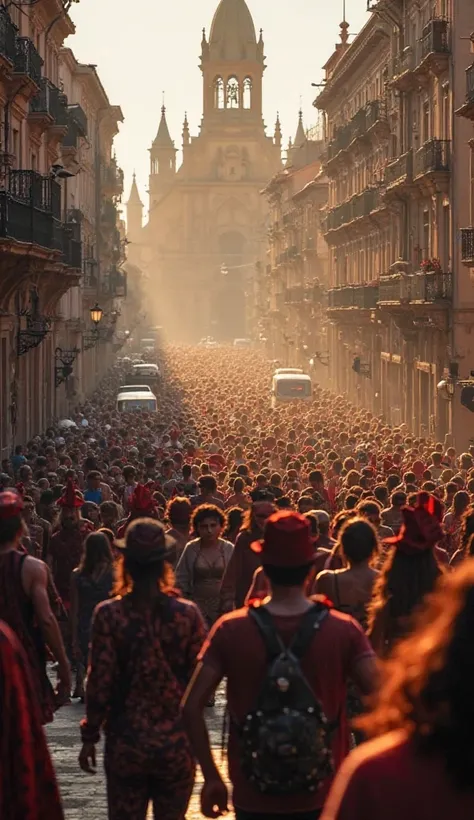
11 504
286 541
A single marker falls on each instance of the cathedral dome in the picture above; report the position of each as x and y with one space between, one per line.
233 35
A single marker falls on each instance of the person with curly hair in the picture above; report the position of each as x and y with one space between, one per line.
420 763
204 560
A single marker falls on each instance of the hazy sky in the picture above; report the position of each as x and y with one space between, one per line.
144 47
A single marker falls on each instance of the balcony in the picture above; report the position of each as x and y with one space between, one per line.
112 179
27 62
433 158
425 287
78 116
401 70
467 110
399 173
30 208
76 121
49 105
434 47
467 247
359 206
359 297
376 116
41 192
8 32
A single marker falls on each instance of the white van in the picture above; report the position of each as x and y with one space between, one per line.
139 400
290 387
135 388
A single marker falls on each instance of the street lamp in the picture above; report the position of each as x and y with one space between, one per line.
96 313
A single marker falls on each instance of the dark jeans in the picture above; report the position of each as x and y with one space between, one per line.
305 815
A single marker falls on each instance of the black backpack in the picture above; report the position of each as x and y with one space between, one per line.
286 739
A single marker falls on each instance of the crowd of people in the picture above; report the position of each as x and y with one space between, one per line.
310 555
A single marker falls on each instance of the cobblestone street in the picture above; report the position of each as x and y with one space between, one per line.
83 795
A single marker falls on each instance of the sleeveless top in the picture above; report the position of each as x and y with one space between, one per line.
357 611
16 609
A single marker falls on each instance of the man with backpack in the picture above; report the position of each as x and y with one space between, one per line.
287 662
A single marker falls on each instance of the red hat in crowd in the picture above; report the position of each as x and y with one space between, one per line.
286 540
71 498
11 504
421 529
141 500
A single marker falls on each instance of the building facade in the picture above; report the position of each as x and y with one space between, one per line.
295 277
41 244
401 305
206 221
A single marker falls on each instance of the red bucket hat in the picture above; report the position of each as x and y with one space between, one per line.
286 541
142 501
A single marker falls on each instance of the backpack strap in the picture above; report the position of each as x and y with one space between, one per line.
273 643
310 624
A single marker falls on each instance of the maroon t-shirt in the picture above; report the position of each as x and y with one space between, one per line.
235 648
388 778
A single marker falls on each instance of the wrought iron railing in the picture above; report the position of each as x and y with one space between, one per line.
27 60
467 244
435 38
350 296
78 115
399 168
26 222
424 286
50 100
434 155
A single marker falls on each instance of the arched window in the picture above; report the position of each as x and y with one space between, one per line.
247 93
233 93
219 100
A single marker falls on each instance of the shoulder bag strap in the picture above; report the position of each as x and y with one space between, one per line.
310 624
273 643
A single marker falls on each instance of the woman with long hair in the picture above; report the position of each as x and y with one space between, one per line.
91 583
409 573
421 764
204 560
350 589
144 647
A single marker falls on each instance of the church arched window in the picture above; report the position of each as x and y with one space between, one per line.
233 93
219 99
247 93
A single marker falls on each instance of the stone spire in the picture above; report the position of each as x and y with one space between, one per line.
134 198
300 137
277 136
289 154
186 134
163 138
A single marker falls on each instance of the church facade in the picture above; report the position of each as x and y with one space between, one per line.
207 220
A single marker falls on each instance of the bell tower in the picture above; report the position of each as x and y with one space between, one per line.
162 161
232 65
